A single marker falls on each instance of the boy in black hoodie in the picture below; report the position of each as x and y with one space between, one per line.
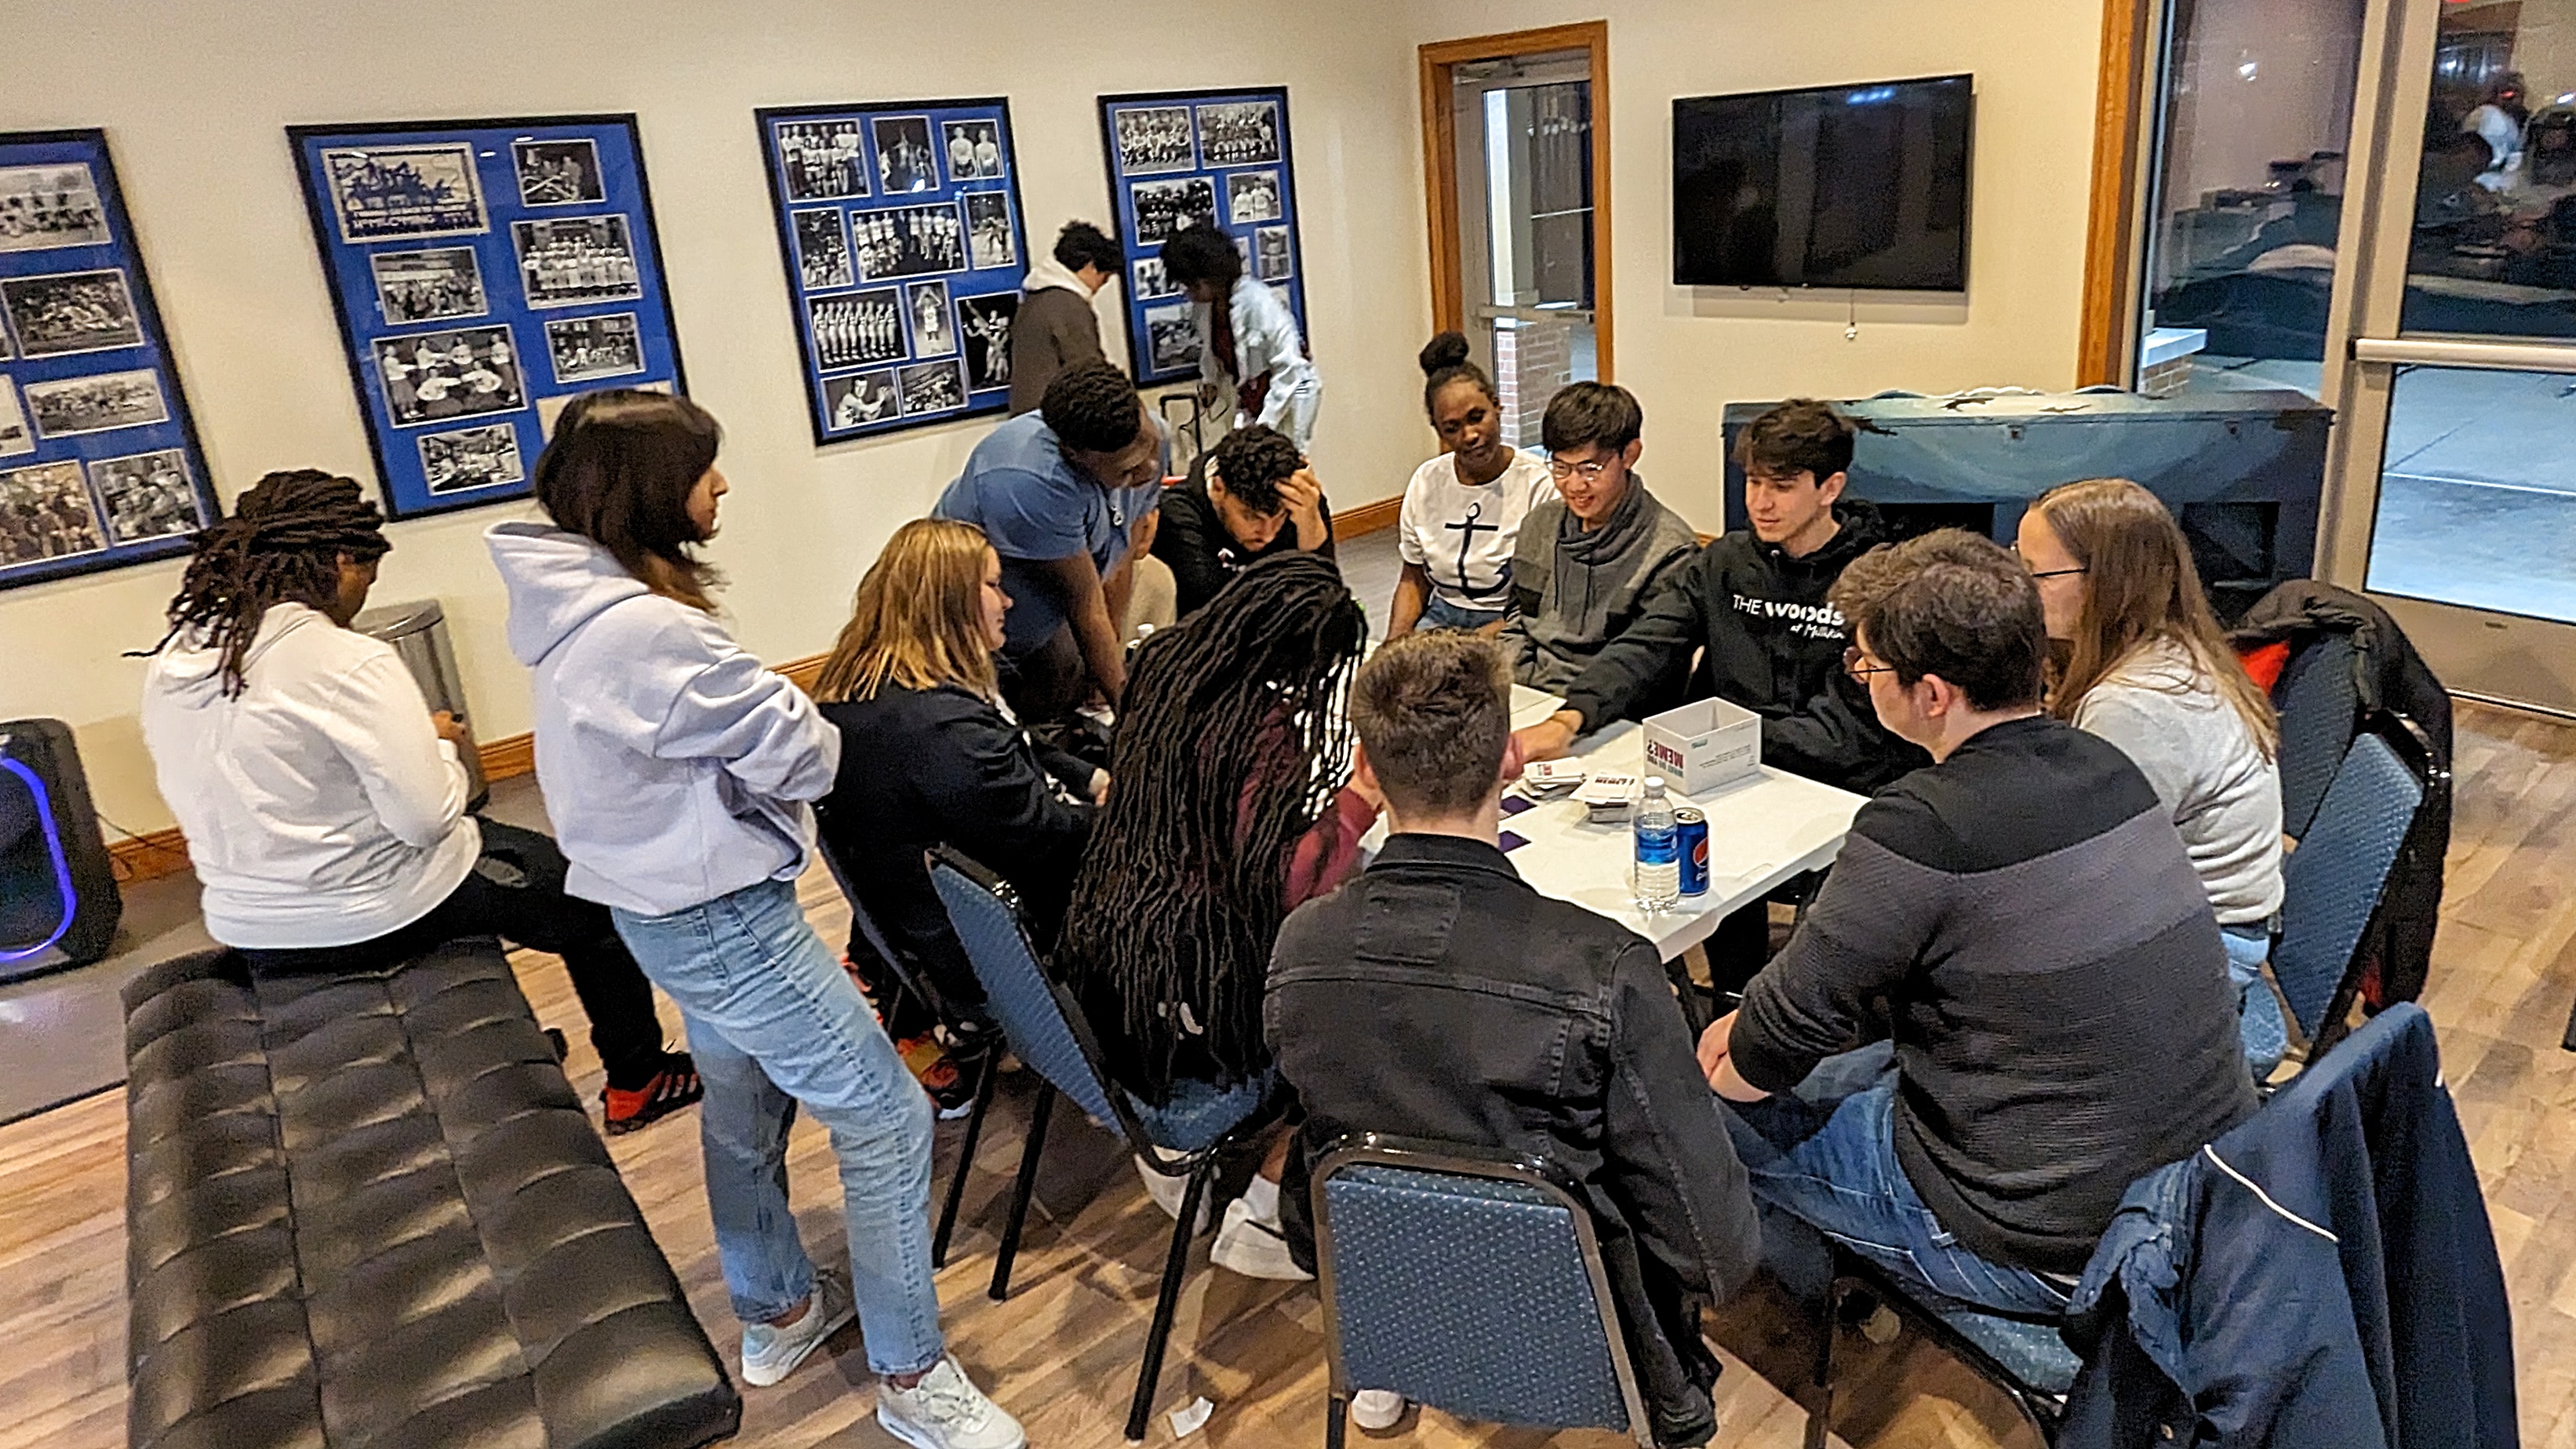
1754 601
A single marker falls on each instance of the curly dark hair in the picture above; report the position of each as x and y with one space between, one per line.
1254 461
1081 244
283 545
1201 253
1093 406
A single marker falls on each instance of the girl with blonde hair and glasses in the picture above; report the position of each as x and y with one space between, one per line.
2140 661
930 755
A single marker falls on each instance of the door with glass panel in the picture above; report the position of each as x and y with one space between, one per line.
1522 163
2453 484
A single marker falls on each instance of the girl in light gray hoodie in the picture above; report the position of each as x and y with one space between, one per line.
678 773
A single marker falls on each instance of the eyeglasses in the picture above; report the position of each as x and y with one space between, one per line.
1589 472
2044 573
1853 666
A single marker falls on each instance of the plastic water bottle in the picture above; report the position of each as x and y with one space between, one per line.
1659 854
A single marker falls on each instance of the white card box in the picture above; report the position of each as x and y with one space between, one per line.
1703 746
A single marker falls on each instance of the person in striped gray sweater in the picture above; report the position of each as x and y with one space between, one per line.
2010 999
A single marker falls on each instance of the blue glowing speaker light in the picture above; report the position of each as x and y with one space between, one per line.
58 899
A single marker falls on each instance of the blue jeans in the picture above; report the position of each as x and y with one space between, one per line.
773 1022
1826 1154
1439 613
2258 1021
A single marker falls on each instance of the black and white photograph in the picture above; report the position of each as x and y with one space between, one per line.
1171 338
859 400
821 160
380 193
1164 207
99 403
585 349
67 312
16 438
1152 281
471 458
1270 254
428 286
430 377
1239 133
908 241
934 331
858 329
50 206
558 173
45 513
823 249
931 387
576 259
990 241
1252 196
974 150
905 161
1153 139
984 325
146 496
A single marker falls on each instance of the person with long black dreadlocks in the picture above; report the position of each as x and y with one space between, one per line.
1233 806
324 805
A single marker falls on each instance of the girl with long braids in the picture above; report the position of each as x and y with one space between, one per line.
324 805
1232 806
679 771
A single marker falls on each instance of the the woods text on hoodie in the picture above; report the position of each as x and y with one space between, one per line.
675 766
1773 645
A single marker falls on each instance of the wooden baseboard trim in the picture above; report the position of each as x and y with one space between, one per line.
509 757
1368 517
806 672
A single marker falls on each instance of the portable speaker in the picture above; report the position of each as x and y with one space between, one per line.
58 900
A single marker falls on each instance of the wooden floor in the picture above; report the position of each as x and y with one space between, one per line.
1062 1352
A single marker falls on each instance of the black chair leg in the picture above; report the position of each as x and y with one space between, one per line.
1043 1109
1337 1412
1158 1337
1820 1406
986 1075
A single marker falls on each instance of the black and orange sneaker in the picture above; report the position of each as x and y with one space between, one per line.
936 1068
671 1089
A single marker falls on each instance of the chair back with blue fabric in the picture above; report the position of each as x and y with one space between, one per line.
1034 1017
2319 700
2332 884
1470 1283
909 979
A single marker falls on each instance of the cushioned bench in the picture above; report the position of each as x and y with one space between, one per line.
369 1211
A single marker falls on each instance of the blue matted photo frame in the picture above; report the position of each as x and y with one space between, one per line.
1178 156
901 233
485 272
99 461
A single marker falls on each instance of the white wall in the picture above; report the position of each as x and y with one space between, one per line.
194 97
1688 352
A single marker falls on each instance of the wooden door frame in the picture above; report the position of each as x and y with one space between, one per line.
1439 62
2106 340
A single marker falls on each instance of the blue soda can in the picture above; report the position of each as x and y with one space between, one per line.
1690 824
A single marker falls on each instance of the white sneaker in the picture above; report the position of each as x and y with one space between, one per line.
1376 1409
1167 1189
1254 1248
770 1354
946 1411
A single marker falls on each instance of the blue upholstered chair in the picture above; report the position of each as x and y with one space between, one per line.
2320 705
1048 1033
2331 884
1468 1282
2022 1354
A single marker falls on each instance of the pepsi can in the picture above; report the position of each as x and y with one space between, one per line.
1690 824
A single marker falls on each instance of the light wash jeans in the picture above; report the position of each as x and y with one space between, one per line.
2258 1011
774 1021
1439 613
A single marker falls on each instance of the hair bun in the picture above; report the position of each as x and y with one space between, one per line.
1445 351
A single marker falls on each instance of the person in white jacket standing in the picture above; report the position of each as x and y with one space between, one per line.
679 773
324 805
1249 347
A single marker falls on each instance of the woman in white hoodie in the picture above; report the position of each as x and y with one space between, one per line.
679 774
323 804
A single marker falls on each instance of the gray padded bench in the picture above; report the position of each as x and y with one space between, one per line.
367 1212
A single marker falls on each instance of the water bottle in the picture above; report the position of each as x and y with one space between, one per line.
1659 853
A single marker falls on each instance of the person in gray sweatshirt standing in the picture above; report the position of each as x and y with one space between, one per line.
1055 327
1587 560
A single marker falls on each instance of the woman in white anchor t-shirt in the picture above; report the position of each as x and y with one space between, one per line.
1463 510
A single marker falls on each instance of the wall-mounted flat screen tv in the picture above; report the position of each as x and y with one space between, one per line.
1839 186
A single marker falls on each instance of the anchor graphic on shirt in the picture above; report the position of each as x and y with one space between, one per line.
1467 529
